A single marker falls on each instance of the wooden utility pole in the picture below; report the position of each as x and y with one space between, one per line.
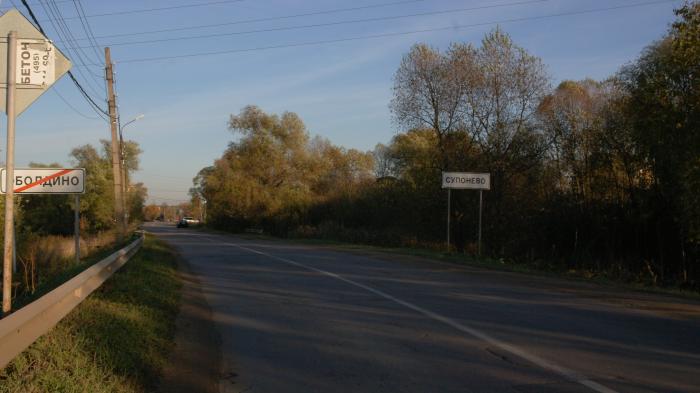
116 156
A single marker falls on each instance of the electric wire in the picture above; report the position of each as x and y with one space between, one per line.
62 30
72 43
93 105
72 107
86 27
157 9
35 3
337 23
267 19
384 35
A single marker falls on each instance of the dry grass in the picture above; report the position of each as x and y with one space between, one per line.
117 340
42 258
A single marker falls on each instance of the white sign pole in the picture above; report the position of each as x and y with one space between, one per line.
10 165
77 228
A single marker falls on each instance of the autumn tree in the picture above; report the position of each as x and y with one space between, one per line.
664 92
429 90
97 204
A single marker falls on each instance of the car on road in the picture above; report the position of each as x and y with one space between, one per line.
187 221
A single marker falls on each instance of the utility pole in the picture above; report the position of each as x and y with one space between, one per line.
9 171
116 159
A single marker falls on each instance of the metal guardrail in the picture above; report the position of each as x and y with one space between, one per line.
21 328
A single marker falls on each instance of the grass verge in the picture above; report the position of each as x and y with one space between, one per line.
70 270
117 340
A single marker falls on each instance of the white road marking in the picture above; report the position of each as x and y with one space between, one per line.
563 371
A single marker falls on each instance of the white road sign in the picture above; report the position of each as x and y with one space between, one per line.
46 181
466 180
36 63
39 62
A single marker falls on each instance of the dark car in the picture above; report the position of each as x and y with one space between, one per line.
187 221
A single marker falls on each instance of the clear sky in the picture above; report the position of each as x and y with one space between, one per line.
269 53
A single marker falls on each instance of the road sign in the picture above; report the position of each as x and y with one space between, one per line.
466 180
46 181
39 62
32 65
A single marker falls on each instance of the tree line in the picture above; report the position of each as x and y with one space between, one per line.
600 176
44 224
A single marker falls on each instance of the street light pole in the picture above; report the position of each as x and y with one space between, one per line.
123 166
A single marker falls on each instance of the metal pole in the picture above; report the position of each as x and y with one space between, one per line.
125 191
481 193
116 172
76 229
449 194
14 250
125 183
10 174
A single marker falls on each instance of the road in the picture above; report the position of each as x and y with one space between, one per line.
306 318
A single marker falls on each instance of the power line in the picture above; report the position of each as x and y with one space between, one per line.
70 37
92 102
100 112
34 3
267 19
384 35
63 30
346 22
156 9
86 27
71 106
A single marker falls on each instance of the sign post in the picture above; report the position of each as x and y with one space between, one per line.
33 65
470 181
449 211
10 162
48 181
76 228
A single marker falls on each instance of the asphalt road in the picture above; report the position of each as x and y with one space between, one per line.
304 318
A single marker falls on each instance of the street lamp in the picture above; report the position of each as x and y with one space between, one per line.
123 166
139 117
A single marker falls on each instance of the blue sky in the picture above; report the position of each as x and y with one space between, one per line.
341 89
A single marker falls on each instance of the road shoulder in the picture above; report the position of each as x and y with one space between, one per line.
195 362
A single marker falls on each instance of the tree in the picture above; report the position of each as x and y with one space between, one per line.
135 201
97 204
151 212
500 109
429 89
664 92
45 214
261 176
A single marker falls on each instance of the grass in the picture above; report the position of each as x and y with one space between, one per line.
117 340
67 268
